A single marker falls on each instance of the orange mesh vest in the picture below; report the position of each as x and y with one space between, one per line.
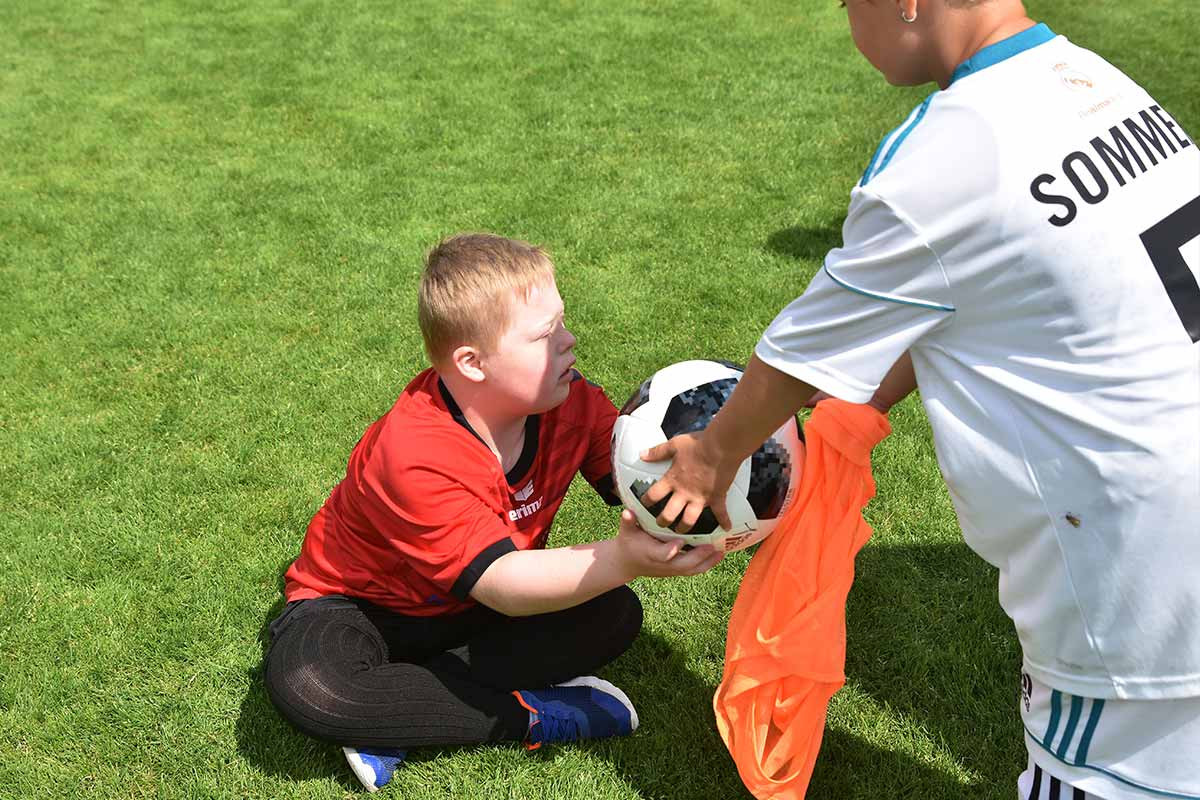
785 652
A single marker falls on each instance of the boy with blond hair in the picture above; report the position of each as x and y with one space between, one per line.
424 608
1025 249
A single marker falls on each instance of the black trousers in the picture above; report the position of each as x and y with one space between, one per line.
346 671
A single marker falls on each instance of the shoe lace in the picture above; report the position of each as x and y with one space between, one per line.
557 728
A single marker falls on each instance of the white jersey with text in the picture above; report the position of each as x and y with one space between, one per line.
1032 235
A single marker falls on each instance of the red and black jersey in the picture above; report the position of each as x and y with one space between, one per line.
425 506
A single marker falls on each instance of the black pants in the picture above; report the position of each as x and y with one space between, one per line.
349 672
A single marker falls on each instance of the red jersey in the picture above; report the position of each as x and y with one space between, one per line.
425 506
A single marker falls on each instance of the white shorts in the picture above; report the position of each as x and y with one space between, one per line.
1085 748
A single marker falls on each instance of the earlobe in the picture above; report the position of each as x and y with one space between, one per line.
467 362
908 10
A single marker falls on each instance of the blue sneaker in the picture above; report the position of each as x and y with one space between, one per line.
373 767
583 708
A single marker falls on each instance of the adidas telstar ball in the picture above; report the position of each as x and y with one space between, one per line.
683 398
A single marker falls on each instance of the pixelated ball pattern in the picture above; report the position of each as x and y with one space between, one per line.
692 410
770 476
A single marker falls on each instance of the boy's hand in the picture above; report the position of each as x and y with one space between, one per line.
646 556
695 479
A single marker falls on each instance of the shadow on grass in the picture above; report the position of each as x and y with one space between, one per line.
806 243
679 753
268 742
927 641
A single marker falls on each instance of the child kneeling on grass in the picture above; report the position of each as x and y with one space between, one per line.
424 609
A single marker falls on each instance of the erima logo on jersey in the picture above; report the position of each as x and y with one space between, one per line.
527 510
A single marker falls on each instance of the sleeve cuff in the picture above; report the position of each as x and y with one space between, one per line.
814 373
474 571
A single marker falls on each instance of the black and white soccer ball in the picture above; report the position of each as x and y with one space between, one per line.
683 398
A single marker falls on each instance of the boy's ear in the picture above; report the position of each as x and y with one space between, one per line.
467 362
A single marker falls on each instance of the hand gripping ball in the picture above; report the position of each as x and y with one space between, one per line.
683 398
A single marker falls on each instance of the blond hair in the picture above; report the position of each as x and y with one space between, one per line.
468 287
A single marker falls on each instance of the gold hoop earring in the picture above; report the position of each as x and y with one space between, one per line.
907 19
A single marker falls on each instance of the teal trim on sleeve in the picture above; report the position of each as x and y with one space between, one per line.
908 128
900 139
1004 49
871 165
905 301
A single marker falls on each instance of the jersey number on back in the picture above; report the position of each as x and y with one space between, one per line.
1164 242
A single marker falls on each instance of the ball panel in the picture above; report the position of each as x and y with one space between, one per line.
638 398
632 483
741 478
683 398
632 435
740 541
693 409
679 377
741 515
770 478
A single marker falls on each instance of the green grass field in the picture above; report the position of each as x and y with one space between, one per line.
211 224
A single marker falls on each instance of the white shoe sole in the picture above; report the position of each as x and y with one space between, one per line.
365 775
605 686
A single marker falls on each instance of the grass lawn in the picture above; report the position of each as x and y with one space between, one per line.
212 217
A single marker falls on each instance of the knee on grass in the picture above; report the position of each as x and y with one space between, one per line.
310 672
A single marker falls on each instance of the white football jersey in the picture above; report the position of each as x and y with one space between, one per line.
1030 234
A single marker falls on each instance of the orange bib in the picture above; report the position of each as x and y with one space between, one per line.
785 652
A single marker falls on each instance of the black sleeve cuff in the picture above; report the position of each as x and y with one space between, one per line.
474 571
607 490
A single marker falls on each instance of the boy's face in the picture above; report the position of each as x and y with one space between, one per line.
893 46
529 370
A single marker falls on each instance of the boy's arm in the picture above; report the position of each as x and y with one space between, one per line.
528 582
898 384
706 462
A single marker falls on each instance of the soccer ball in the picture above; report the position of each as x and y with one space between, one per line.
683 398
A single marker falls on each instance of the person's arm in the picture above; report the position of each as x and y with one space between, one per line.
528 582
705 463
898 384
